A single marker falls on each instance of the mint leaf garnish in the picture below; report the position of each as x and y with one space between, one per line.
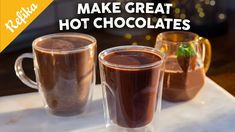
185 50
186 56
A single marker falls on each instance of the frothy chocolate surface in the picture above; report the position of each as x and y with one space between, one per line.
132 58
63 43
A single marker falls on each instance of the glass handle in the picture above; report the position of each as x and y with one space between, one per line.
20 72
206 52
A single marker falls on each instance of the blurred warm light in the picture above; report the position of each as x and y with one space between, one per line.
154 19
148 37
221 16
212 3
197 6
201 14
127 36
134 43
177 10
164 48
207 2
199 9
182 16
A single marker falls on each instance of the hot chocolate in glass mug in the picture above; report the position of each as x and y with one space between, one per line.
188 58
131 78
64 64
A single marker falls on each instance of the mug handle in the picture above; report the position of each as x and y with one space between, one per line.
206 52
20 71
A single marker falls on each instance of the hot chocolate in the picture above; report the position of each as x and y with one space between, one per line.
65 69
179 85
131 91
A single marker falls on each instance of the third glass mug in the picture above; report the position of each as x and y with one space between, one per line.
188 58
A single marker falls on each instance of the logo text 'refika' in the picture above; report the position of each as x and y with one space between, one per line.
21 18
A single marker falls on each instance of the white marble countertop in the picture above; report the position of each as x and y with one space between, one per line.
213 110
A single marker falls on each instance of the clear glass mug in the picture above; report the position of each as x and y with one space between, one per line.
188 57
132 87
64 65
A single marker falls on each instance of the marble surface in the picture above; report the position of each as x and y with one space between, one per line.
213 110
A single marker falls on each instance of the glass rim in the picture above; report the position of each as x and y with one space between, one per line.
133 47
160 36
65 34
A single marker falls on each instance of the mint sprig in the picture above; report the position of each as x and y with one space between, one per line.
185 50
186 56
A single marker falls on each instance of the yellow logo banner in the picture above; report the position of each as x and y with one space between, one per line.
16 15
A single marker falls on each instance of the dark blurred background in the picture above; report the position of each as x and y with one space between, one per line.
214 19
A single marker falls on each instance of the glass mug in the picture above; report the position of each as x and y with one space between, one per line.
64 65
188 58
131 78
